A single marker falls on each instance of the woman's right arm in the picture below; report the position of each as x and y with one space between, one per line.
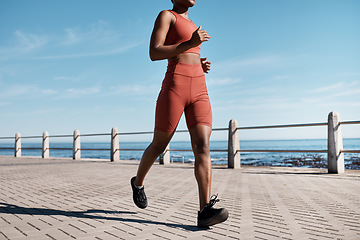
159 51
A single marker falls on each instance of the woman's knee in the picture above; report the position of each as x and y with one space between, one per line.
201 147
159 142
157 148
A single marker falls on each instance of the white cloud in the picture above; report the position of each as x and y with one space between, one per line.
222 81
78 92
29 41
260 61
66 78
260 104
325 89
32 91
23 91
49 91
98 39
72 36
100 32
251 62
15 90
114 51
281 77
24 43
337 90
135 89
268 98
348 92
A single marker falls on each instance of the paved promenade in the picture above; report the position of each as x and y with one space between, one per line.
67 199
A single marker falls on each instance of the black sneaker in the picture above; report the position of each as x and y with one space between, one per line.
139 196
209 216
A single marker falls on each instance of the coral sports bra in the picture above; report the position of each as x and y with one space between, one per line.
181 31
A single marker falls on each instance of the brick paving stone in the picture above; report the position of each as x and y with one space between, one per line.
67 199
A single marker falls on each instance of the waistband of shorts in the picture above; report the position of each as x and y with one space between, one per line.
185 69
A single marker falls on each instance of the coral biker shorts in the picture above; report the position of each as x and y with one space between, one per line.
183 90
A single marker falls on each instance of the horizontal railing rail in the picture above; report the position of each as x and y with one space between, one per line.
134 133
350 151
190 150
28 137
283 126
349 122
333 124
94 134
31 148
283 151
254 150
7 137
60 136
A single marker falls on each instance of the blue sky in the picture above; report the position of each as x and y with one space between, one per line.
84 65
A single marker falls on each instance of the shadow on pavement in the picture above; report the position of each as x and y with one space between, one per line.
6 208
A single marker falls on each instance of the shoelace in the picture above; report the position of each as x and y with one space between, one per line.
213 200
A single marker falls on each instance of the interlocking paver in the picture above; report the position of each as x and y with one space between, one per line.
67 199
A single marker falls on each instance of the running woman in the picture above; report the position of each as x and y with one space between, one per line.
176 38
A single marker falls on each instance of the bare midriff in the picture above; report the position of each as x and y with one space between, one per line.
189 58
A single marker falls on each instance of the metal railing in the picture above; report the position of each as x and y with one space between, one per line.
186 150
293 126
233 147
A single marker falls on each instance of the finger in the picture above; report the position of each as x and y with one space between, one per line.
206 38
204 32
199 28
203 59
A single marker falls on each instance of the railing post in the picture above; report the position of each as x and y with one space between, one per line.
234 160
45 145
115 152
76 145
164 158
17 145
335 144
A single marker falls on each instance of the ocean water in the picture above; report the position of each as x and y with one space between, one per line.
317 160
